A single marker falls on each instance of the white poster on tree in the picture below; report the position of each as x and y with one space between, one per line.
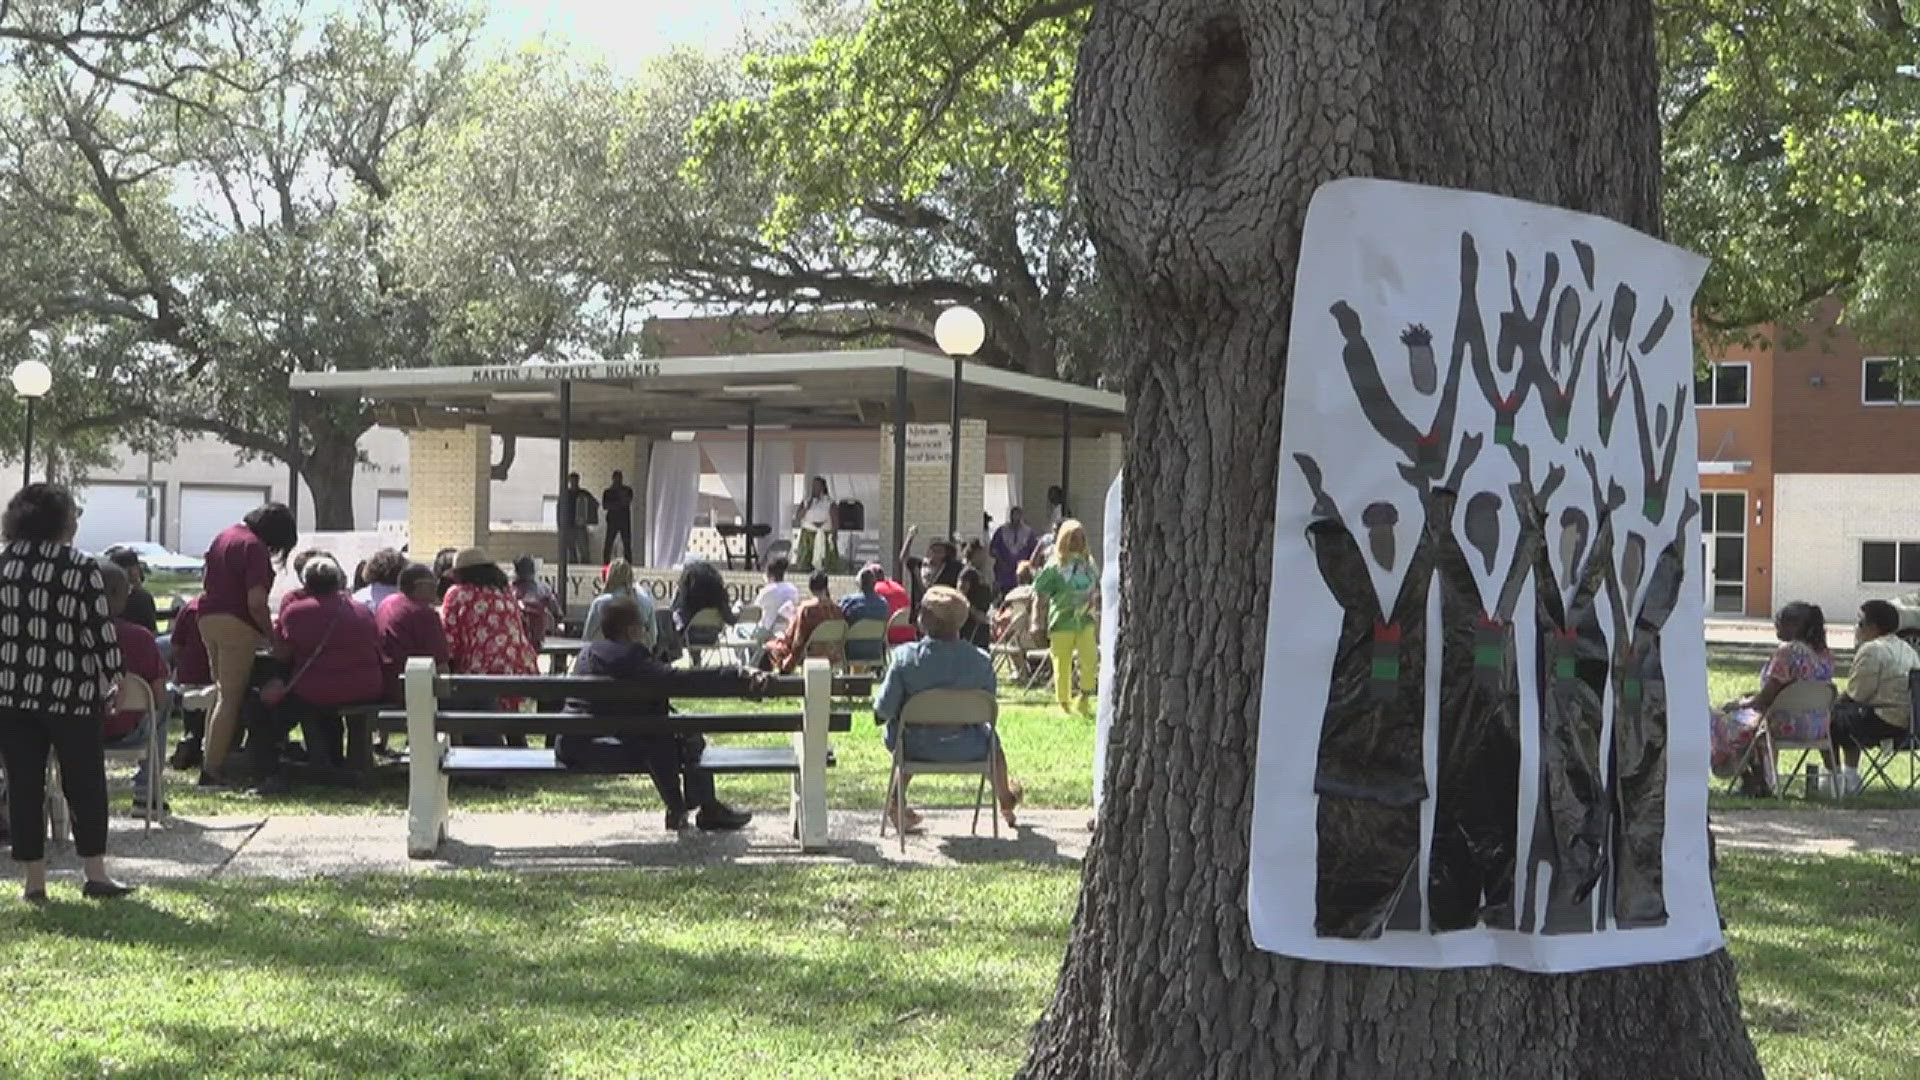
1483 731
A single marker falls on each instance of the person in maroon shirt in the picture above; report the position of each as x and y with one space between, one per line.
234 620
332 647
409 627
188 654
139 659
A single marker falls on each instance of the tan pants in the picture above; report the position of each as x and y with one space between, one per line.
231 644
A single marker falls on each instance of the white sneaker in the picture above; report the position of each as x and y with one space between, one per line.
1851 784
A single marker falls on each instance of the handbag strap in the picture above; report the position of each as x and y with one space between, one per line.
325 637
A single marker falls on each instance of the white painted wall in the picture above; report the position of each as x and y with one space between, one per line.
1819 522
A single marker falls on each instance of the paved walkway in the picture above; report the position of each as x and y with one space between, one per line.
327 846
332 846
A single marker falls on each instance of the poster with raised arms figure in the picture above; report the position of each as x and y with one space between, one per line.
1483 730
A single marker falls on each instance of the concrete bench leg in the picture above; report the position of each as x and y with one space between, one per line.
426 782
810 745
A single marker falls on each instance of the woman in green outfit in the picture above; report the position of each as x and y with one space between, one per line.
1071 585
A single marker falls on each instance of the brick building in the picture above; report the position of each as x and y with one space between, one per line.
1810 473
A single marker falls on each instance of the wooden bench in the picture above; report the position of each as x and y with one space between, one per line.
432 758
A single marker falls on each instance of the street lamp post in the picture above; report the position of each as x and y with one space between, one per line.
31 380
959 332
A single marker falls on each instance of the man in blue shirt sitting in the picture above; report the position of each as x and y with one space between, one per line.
866 605
941 661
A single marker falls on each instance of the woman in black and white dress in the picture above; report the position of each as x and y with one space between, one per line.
59 664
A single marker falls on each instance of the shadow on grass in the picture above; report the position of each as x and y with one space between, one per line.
490 975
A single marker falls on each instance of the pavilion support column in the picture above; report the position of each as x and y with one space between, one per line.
450 489
924 471
565 516
1087 465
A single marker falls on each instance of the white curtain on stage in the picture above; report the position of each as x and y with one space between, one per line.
773 496
673 500
1016 452
852 471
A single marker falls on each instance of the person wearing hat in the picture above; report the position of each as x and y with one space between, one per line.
940 660
485 634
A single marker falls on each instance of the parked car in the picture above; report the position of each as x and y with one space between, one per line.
159 560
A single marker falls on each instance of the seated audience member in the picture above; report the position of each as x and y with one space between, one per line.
774 600
443 570
410 627
701 589
1878 705
299 566
331 647
1801 657
190 669
140 659
485 633
539 605
142 611
867 605
673 761
789 647
619 586
898 600
979 594
383 579
941 661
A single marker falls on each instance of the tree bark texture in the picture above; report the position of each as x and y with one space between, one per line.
1201 129
330 469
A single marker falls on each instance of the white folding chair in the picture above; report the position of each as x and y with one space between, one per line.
938 709
1805 696
1875 761
829 641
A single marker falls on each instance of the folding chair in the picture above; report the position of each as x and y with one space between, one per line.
135 696
867 632
829 641
1805 696
936 709
1876 760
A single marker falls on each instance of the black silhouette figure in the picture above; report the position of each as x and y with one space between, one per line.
1658 472
1371 773
1570 819
1470 879
1638 780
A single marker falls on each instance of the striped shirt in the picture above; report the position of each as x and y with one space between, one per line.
58 650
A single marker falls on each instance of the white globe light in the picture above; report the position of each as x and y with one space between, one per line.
32 379
960 331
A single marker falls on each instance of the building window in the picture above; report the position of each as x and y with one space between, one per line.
1725 386
1880 379
1885 562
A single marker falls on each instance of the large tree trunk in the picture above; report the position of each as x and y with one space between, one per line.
1201 128
329 470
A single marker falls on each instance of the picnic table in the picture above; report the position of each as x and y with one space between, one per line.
560 652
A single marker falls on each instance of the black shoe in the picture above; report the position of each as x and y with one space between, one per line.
139 809
271 785
186 755
37 897
676 820
213 781
106 890
720 817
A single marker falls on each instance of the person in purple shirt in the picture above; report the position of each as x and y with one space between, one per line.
1013 544
332 648
234 620
410 626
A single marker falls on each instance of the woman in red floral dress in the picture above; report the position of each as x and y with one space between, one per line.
485 634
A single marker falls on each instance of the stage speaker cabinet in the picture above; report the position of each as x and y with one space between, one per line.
850 515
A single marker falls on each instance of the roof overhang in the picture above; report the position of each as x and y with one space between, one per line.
818 391
1725 468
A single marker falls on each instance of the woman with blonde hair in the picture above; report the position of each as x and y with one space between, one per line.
1071 586
619 586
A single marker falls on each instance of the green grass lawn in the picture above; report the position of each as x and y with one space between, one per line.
1049 751
746 972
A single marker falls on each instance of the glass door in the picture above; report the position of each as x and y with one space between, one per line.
1724 526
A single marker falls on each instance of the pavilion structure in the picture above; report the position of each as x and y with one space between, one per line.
931 416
